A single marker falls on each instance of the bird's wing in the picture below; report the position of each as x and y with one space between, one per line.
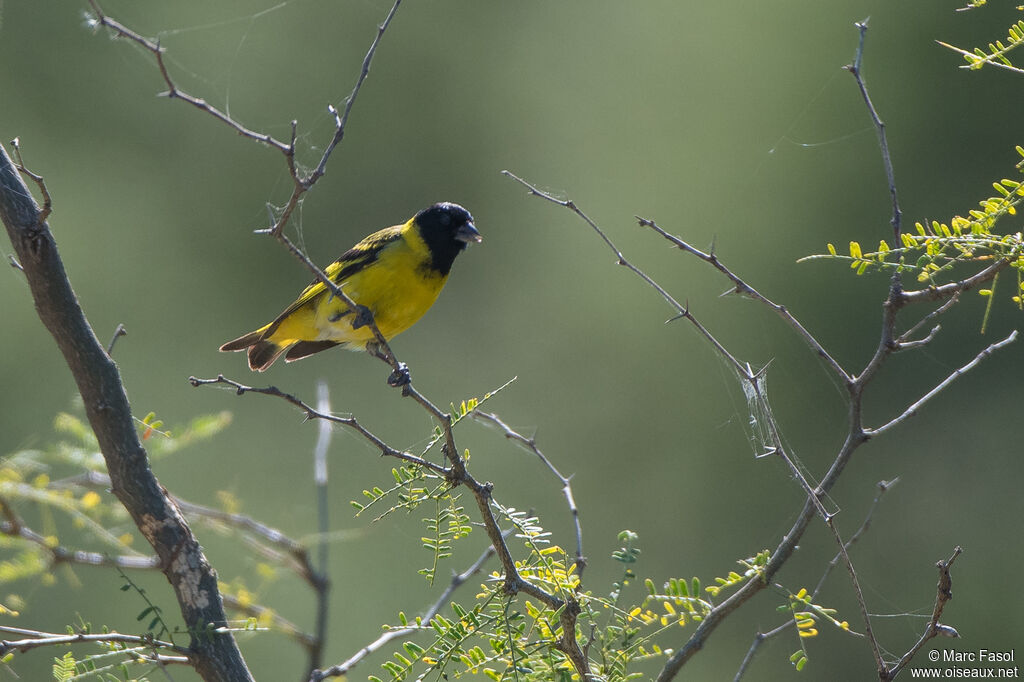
349 263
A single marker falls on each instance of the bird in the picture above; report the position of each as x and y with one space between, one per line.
396 274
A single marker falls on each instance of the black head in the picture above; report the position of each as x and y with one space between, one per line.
446 228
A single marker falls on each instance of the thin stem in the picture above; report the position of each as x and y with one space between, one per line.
956 374
457 581
323 405
36 638
531 444
943 593
312 413
883 142
744 289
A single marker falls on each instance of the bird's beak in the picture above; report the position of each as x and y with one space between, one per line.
467 233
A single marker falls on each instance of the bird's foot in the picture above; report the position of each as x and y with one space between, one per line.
400 377
363 317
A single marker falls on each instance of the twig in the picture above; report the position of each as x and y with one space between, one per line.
751 378
953 289
883 142
457 581
35 639
904 341
106 405
744 289
531 444
297 551
173 92
286 547
15 527
869 632
957 373
277 621
342 121
44 213
681 310
761 637
992 60
882 487
943 593
118 333
312 413
323 442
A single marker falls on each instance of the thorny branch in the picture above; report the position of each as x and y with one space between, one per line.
400 375
742 288
457 474
857 434
531 444
943 593
761 637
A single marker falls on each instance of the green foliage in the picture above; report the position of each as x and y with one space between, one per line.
512 637
934 250
408 491
152 611
996 52
805 617
449 523
463 410
64 667
56 508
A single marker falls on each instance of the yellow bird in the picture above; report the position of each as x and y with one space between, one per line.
397 273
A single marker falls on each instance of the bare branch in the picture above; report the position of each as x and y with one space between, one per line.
173 91
859 594
761 637
883 142
311 413
276 620
323 443
744 289
36 638
457 581
953 289
341 121
38 179
566 481
681 310
957 373
943 593
106 405
15 527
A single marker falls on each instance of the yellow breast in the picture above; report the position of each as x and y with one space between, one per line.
397 288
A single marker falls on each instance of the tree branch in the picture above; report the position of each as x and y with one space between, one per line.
531 444
943 593
744 289
35 639
181 558
457 580
957 373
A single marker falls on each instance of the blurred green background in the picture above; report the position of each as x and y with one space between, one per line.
729 123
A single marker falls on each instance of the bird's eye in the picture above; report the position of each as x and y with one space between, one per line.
446 219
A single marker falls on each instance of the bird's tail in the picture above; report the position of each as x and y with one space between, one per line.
262 352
